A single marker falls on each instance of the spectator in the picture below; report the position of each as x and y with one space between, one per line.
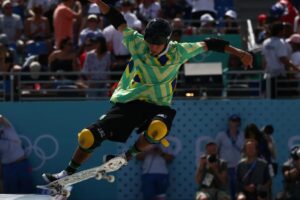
8 63
275 57
97 65
294 41
88 45
114 39
64 59
155 178
171 9
291 175
44 4
177 23
253 133
208 24
92 29
16 170
230 143
10 23
231 25
63 20
253 179
211 175
261 29
291 12
37 27
267 132
201 7
148 9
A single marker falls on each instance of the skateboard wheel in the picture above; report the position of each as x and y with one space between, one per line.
53 192
111 178
98 176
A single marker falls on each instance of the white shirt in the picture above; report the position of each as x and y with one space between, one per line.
295 59
116 37
273 49
150 12
230 150
10 145
201 5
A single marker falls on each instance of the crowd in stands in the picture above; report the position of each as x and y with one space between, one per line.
73 36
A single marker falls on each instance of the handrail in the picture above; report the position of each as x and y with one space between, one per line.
50 86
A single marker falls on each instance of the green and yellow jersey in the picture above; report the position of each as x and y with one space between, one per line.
150 78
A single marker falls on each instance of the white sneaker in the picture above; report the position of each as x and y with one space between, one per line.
53 177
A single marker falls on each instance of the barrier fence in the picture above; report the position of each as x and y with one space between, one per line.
227 85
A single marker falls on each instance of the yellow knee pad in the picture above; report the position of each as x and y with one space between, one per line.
157 131
85 139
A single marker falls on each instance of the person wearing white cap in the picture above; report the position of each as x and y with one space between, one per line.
207 24
91 30
231 24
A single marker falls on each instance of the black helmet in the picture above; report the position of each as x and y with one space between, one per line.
158 31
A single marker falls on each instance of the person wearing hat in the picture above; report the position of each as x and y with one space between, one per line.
231 24
91 30
207 24
230 142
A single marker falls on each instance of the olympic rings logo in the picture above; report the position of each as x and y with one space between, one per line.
38 150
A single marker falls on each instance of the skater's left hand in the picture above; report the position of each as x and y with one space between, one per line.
246 59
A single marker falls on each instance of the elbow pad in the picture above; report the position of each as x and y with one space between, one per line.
115 17
216 44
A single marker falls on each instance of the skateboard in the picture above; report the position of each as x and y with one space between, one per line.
60 186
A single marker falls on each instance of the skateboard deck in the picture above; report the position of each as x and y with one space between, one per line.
59 187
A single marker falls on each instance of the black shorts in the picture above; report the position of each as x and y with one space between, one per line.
119 122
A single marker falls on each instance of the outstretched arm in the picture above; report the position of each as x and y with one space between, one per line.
114 16
220 45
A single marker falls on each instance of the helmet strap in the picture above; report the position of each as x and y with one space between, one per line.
165 50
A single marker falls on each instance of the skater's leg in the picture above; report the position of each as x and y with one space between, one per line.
156 133
88 139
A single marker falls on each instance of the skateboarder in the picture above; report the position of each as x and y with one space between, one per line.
144 93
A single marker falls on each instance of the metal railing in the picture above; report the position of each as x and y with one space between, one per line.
230 85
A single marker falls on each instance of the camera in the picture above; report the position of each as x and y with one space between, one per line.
295 153
212 158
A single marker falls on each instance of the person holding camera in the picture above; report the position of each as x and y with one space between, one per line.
291 175
211 175
253 178
16 170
